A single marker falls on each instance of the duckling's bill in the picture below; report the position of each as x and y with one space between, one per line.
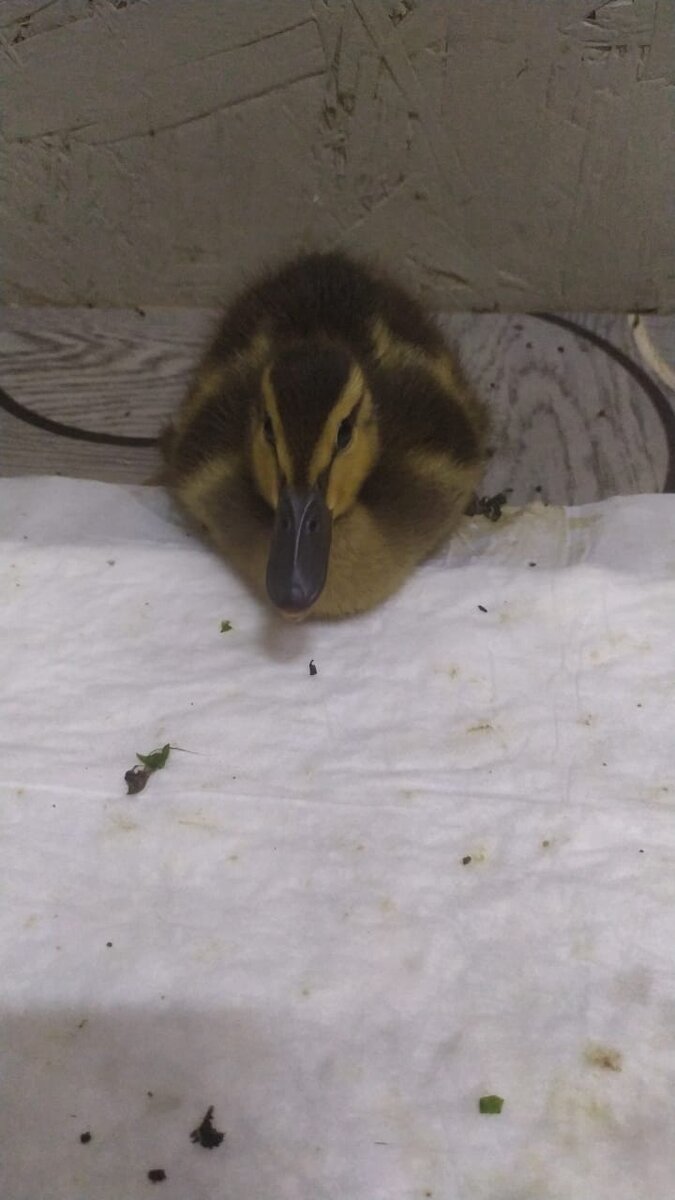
300 549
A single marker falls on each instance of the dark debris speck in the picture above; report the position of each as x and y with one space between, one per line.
466 860
491 506
206 1134
85 1137
157 1175
136 779
482 608
312 667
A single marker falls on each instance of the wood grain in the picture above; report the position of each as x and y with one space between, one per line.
567 419
570 423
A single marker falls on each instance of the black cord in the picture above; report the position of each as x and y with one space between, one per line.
649 387
653 391
69 431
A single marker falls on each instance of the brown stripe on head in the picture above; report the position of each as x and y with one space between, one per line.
301 388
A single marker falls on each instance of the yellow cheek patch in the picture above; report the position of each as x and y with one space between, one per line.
350 469
196 491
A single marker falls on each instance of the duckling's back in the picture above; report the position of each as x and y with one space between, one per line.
325 295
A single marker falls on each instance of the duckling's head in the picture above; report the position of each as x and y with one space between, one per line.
314 443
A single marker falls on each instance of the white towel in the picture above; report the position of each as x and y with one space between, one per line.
441 868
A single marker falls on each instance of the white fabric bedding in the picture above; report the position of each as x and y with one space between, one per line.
284 924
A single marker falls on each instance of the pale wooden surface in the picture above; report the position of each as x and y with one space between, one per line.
568 419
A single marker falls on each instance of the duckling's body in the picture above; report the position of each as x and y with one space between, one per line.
329 442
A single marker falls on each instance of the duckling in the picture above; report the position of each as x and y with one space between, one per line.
329 442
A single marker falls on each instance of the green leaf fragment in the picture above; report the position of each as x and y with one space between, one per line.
225 626
491 1104
156 760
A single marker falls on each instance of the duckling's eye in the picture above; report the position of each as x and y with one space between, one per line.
268 430
344 434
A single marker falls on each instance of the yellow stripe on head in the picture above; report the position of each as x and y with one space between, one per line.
215 375
393 354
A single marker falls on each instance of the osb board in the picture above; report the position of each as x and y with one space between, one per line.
506 154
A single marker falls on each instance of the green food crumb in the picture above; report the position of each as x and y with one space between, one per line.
225 626
490 1104
156 760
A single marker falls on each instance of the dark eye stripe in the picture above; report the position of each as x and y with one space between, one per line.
344 433
346 427
268 430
